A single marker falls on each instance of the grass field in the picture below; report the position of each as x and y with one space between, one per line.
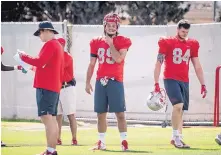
29 139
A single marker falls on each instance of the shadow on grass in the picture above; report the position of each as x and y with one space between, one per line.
192 149
129 151
36 145
202 149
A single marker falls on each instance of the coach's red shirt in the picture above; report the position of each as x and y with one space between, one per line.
68 67
49 66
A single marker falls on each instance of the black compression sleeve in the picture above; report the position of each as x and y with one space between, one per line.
6 68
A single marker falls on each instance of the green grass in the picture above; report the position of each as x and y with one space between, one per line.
20 120
142 141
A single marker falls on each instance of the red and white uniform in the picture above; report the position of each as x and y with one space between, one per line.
107 66
177 56
68 67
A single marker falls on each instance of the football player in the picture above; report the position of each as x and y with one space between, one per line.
110 51
176 52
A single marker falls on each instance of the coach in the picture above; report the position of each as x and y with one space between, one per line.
48 81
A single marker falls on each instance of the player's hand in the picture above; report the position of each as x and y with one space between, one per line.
157 88
109 40
20 54
203 91
19 67
89 88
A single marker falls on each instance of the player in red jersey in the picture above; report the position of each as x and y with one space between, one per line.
176 52
110 51
67 98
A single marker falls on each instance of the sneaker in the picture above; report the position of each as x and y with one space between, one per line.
59 142
184 144
124 145
48 153
176 141
74 142
2 144
99 146
218 139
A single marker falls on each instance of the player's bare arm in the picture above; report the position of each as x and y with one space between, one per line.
118 56
90 72
157 70
198 69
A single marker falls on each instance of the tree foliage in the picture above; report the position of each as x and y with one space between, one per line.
92 12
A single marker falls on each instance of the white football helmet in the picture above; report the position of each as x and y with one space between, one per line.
156 100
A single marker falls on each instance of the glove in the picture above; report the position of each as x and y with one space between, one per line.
18 67
203 91
157 87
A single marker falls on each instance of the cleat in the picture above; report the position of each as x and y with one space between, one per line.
48 153
74 142
59 142
176 142
124 145
99 146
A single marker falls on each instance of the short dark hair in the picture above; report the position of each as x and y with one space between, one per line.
183 23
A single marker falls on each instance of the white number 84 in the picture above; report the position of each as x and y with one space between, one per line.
178 58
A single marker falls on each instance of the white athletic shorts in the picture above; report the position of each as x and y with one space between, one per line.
67 101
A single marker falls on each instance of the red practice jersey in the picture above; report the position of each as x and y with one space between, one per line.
68 67
177 56
107 66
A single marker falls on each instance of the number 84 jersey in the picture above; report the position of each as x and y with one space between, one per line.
177 56
107 66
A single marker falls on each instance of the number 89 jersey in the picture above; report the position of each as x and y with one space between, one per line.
107 66
177 56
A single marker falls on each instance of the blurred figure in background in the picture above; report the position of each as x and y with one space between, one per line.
67 99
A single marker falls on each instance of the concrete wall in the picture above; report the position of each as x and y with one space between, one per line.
18 96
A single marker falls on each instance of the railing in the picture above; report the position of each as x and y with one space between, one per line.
216 99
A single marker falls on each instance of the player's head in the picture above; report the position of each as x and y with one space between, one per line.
62 41
183 27
111 23
45 31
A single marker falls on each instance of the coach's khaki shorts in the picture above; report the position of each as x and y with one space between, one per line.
67 101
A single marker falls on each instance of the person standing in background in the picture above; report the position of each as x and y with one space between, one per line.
67 100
